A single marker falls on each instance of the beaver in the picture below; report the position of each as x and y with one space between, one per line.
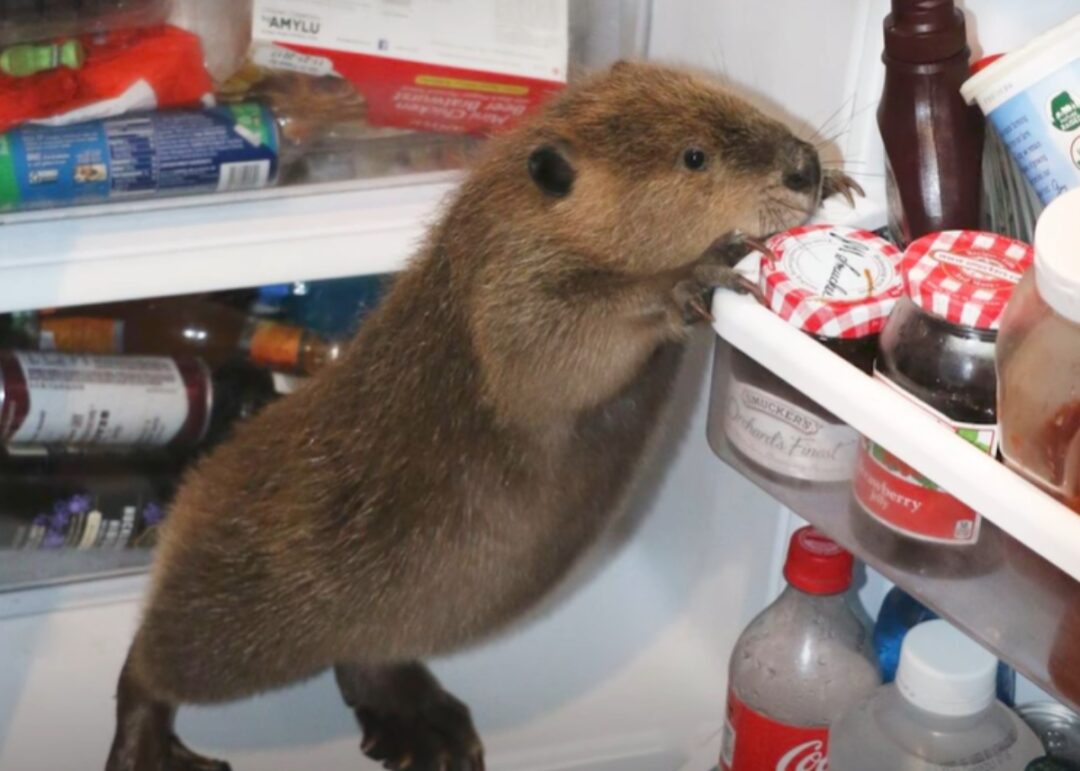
478 433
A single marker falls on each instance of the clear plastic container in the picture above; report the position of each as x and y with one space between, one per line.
940 714
1038 359
804 660
32 20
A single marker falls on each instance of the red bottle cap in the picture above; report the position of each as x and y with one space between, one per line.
984 62
816 564
964 276
832 281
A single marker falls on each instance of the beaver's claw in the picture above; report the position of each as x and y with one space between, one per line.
729 249
692 295
834 182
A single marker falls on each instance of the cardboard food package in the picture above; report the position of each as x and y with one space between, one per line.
450 66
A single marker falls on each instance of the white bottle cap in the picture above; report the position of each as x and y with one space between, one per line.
944 671
1057 255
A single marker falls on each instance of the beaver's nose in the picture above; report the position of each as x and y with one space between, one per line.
803 172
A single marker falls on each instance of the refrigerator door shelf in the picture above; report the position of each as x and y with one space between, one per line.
216 243
1015 588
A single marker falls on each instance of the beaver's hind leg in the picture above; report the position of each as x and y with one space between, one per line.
144 738
409 721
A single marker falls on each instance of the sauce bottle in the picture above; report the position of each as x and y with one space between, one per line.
933 140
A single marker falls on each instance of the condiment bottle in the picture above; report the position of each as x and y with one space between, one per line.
933 140
804 660
1038 359
181 326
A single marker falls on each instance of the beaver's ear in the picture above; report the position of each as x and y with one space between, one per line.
551 169
622 66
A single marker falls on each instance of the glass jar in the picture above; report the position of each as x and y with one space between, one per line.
838 285
1039 359
937 349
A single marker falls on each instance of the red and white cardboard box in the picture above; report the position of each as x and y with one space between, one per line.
470 66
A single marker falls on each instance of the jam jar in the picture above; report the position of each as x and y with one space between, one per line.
937 349
1039 402
837 284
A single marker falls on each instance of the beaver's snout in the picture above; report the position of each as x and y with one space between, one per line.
802 169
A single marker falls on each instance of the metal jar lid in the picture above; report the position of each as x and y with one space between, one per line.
1057 727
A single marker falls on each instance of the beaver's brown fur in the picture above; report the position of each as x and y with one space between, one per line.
479 432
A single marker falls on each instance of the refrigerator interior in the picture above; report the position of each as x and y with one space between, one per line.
626 667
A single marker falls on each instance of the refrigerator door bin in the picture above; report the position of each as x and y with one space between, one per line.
1013 587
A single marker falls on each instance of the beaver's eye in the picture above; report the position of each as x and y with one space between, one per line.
694 158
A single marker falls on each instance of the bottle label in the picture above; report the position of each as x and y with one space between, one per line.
786 438
755 742
275 346
901 498
82 335
140 155
100 400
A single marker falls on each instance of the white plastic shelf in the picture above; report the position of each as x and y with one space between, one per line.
184 246
1018 507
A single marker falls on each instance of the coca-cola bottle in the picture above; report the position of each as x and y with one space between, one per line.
798 665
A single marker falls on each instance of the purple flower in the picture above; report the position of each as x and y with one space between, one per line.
153 513
80 504
60 516
53 540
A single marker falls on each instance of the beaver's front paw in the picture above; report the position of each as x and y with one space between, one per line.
693 295
836 182
439 736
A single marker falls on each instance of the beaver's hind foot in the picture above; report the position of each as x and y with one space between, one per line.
409 722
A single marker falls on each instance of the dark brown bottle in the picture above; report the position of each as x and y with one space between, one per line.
179 326
933 140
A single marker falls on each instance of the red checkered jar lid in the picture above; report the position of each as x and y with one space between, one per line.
964 276
832 281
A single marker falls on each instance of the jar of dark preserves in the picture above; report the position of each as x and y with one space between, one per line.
837 284
938 349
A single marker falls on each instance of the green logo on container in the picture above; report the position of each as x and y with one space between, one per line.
9 186
1064 112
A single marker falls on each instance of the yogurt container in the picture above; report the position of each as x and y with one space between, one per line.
1032 98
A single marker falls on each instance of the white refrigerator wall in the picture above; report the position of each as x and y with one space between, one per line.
626 671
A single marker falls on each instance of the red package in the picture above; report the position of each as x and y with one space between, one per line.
125 70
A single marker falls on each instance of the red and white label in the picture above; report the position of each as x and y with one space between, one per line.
452 66
755 742
907 501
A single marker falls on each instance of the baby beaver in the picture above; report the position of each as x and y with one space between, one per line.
478 433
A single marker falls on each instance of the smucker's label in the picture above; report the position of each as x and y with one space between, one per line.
904 500
786 438
756 742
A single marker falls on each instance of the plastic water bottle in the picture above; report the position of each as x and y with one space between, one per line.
899 613
939 714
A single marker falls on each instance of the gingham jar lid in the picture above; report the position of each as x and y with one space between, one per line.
832 281
964 276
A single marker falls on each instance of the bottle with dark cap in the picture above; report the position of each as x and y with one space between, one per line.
799 664
933 139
